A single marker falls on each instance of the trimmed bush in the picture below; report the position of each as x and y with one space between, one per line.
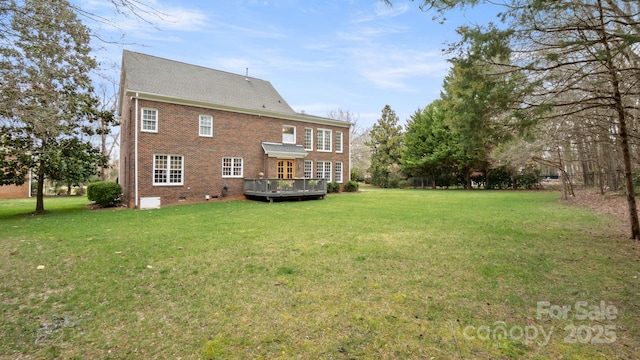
104 193
351 186
333 187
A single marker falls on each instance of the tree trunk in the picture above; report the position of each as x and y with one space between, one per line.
467 179
582 158
103 149
628 173
601 181
624 135
40 193
628 177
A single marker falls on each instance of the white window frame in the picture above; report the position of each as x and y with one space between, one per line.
323 168
286 138
202 125
308 169
167 169
145 120
338 171
308 139
230 168
323 139
339 148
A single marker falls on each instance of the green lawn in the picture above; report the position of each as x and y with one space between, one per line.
383 274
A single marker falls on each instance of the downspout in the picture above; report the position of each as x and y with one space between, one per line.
349 159
135 154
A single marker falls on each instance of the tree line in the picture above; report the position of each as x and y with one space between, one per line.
553 85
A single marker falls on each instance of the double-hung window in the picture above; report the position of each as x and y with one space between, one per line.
323 170
168 169
288 134
206 125
338 171
308 139
338 141
308 169
232 167
149 120
323 140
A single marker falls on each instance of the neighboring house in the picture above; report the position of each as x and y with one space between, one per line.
15 192
190 133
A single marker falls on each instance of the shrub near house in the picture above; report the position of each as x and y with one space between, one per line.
104 193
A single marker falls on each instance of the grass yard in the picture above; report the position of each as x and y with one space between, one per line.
383 274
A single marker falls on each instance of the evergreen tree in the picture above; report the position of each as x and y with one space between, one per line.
429 144
386 144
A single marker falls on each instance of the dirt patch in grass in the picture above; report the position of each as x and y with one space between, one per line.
613 204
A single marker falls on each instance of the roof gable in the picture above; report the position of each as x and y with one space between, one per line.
173 79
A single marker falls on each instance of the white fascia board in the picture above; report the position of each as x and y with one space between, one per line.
277 115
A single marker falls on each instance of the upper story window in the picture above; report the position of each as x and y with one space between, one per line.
168 169
323 140
338 141
232 167
308 139
149 120
206 125
288 134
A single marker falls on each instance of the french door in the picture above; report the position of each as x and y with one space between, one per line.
286 169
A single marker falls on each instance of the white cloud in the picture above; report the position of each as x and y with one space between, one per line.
264 32
385 11
381 10
318 108
397 69
368 33
147 16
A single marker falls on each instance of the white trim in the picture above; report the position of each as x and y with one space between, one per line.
324 140
200 125
135 160
310 148
233 158
341 142
349 172
30 176
276 115
283 134
324 170
142 120
168 169
304 169
284 154
335 169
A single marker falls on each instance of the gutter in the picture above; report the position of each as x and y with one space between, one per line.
259 113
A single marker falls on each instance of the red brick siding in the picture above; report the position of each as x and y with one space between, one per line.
234 135
15 192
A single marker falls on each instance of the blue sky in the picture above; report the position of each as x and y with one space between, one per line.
354 55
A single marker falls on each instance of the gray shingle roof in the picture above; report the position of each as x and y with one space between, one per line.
174 79
284 150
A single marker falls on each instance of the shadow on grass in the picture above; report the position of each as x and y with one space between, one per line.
53 205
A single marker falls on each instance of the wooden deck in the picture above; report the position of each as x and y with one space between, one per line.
271 189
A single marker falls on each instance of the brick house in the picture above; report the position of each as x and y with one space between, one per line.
190 133
15 192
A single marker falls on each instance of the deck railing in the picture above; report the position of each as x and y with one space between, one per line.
285 187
